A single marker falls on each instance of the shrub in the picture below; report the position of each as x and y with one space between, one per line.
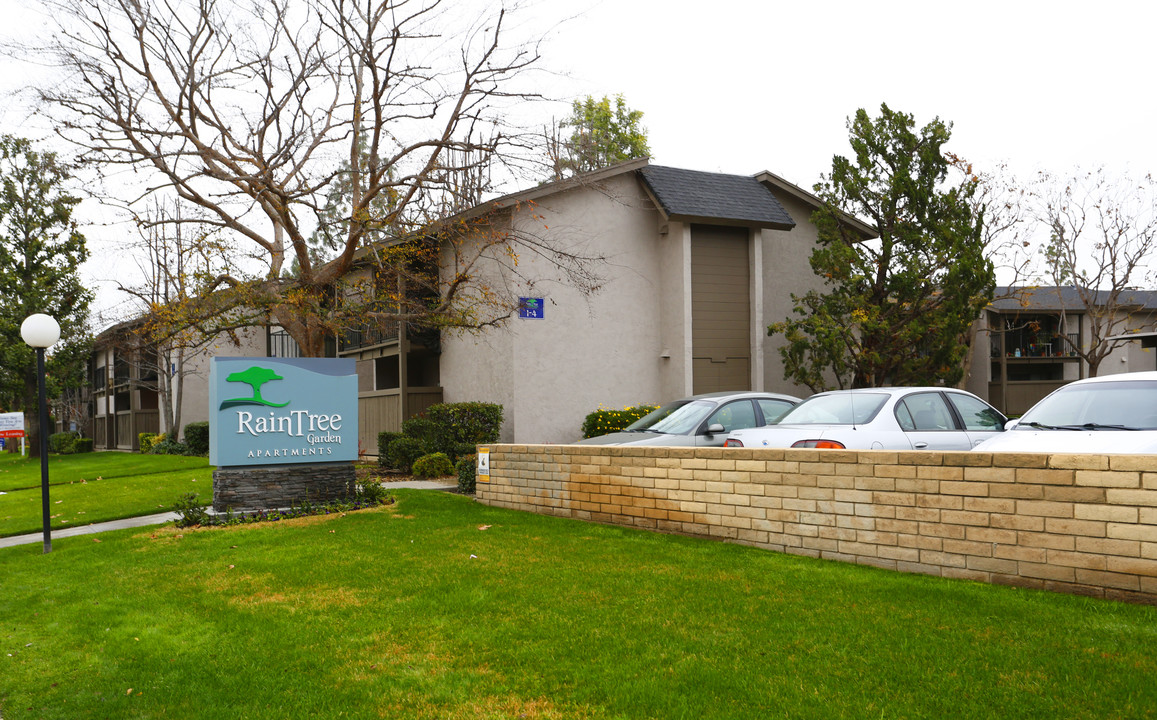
457 424
190 511
403 451
169 446
82 445
433 465
605 420
384 439
197 438
422 429
461 450
62 443
467 469
147 440
372 492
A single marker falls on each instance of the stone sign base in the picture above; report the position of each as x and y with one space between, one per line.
242 489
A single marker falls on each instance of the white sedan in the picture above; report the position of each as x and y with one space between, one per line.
1107 414
911 418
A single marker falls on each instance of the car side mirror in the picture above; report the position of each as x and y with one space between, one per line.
1011 424
715 429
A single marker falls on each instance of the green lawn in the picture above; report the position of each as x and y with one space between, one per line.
17 472
439 607
95 487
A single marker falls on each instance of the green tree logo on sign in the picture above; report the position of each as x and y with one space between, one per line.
254 377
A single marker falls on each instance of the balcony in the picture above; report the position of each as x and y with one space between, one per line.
369 335
1055 346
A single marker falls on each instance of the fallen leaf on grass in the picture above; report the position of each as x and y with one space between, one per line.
96 539
129 691
483 527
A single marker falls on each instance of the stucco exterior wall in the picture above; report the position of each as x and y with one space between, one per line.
604 348
786 270
195 406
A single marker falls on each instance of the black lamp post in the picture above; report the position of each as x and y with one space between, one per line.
41 332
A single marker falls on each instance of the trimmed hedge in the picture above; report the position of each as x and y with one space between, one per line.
453 429
467 469
468 422
433 465
386 437
197 438
62 443
147 440
403 451
605 420
168 446
82 445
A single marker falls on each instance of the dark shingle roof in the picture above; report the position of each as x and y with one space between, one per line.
1066 297
704 196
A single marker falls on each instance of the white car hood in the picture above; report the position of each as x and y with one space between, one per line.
1072 441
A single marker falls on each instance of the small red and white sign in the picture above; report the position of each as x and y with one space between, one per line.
11 425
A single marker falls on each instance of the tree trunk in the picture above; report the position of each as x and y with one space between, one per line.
32 432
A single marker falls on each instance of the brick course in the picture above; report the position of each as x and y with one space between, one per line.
1083 524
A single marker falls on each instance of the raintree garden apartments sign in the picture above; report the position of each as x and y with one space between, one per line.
266 411
281 430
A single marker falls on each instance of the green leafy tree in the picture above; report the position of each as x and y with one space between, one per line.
896 309
602 133
41 251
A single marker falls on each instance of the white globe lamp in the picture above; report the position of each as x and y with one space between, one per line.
40 330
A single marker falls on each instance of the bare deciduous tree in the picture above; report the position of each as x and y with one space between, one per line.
255 111
179 256
1102 241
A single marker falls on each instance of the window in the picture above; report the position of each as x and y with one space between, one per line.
773 410
924 412
841 408
977 415
734 416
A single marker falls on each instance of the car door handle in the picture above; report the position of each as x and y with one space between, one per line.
920 445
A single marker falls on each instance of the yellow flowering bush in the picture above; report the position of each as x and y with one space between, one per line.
608 420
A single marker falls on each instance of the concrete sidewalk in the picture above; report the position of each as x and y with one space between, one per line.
162 518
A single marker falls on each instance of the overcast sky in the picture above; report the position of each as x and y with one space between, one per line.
741 86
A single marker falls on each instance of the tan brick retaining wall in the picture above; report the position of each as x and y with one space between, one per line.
1082 524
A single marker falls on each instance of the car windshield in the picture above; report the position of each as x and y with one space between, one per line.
836 409
675 418
1124 405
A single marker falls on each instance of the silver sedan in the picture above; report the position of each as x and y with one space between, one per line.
912 418
700 420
